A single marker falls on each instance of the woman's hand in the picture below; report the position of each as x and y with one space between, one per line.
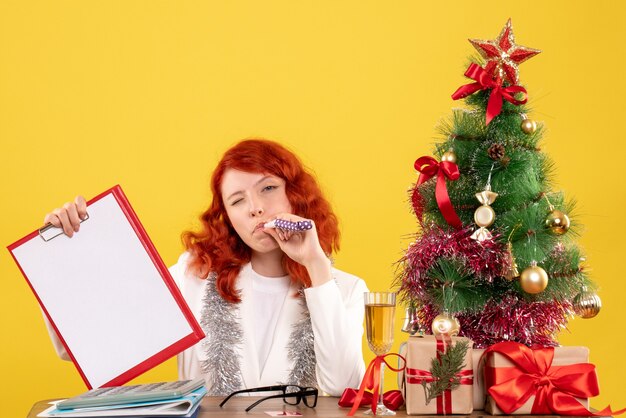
69 216
304 248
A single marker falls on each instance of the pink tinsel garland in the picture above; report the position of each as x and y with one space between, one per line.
508 318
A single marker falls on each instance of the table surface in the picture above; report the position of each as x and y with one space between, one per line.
326 407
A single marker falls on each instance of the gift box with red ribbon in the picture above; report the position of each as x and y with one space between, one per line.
554 381
421 350
479 384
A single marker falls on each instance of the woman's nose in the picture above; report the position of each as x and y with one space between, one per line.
256 210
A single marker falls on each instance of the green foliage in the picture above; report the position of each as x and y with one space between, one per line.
566 275
445 370
454 288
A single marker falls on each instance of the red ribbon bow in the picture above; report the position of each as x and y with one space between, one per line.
392 399
554 387
483 82
428 167
371 381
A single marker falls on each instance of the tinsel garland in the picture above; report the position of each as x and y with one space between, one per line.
486 260
301 351
223 333
506 317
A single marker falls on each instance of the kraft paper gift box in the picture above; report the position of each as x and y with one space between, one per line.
401 376
563 356
479 382
419 354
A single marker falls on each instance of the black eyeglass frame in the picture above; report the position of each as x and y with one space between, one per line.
300 395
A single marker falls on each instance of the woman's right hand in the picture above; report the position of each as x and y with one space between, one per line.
69 216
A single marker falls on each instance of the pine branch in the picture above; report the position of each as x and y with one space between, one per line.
445 371
454 286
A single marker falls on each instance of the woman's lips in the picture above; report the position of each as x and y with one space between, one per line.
259 226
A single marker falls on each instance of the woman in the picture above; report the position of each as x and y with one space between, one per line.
272 306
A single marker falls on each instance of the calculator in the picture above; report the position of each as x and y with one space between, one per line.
117 395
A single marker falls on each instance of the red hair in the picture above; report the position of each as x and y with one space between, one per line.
218 248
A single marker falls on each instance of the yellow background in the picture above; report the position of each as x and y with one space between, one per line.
149 94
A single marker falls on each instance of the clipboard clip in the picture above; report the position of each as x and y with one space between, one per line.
50 232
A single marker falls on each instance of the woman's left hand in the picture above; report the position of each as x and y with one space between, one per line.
303 247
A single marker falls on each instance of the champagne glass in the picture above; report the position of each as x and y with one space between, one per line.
379 317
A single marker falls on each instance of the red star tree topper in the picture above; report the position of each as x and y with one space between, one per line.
503 55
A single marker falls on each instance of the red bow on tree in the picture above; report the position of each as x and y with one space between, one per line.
428 167
554 387
485 81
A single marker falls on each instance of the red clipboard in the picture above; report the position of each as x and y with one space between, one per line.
107 293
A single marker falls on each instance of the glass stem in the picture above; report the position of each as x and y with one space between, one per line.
381 387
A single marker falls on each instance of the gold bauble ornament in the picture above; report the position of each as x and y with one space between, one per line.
446 324
558 222
529 126
587 304
533 279
449 156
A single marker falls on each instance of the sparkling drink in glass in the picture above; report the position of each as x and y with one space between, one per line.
379 319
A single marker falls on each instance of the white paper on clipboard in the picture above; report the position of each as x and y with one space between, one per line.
108 294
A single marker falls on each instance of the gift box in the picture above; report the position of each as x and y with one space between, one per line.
524 381
402 376
479 383
421 378
478 389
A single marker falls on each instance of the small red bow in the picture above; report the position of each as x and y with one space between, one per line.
554 387
428 167
392 399
371 381
483 82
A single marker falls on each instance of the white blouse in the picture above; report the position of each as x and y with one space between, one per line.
336 309
268 296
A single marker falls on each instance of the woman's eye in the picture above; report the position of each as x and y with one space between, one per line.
269 188
235 202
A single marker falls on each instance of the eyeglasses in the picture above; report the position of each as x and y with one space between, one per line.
291 394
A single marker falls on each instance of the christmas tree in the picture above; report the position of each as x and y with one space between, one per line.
495 259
